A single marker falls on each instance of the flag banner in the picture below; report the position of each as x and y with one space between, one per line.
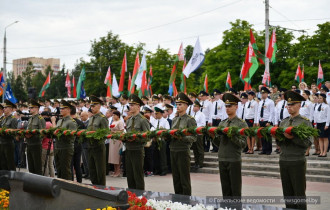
320 76
303 74
272 48
9 94
129 84
143 68
260 56
175 90
266 78
196 59
68 84
150 81
82 91
81 79
122 75
183 87
108 82
2 83
240 74
250 64
144 85
181 53
135 71
115 88
45 86
298 75
206 86
228 81
74 88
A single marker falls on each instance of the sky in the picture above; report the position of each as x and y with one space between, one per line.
64 28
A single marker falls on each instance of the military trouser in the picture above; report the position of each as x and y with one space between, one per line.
180 164
34 154
198 150
97 164
231 178
63 157
293 177
134 169
7 156
160 157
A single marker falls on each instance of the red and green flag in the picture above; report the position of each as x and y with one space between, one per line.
144 84
250 64
260 56
206 85
45 86
320 76
74 88
68 84
108 82
183 87
129 84
122 76
150 81
299 75
266 79
135 73
228 81
303 74
272 48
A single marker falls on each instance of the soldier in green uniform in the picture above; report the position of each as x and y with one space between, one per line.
134 155
96 147
34 148
292 157
64 144
229 154
180 147
1 118
7 160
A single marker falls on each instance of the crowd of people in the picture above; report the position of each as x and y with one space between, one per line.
67 156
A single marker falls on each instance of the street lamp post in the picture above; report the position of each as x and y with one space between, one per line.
5 57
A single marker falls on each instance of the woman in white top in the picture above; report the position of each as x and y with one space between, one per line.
322 118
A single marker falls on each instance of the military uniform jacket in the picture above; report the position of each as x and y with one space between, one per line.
230 148
8 122
97 121
35 122
184 144
66 142
294 149
136 123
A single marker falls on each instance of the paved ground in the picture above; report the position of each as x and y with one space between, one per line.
209 185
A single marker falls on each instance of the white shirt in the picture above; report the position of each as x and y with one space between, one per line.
322 116
200 118
278 109
221 110
239 110
307 109
117 105
206 109
328 97
161 123
190 111
251 110
123 110
103 110
83 109
269 107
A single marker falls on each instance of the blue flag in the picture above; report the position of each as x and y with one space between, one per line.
9 94
82 92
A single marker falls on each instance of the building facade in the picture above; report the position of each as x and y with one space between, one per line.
39 65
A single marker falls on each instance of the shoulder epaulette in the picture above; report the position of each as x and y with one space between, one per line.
72 119
305 118
191 116
12 116
102 115
41 118
241 119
